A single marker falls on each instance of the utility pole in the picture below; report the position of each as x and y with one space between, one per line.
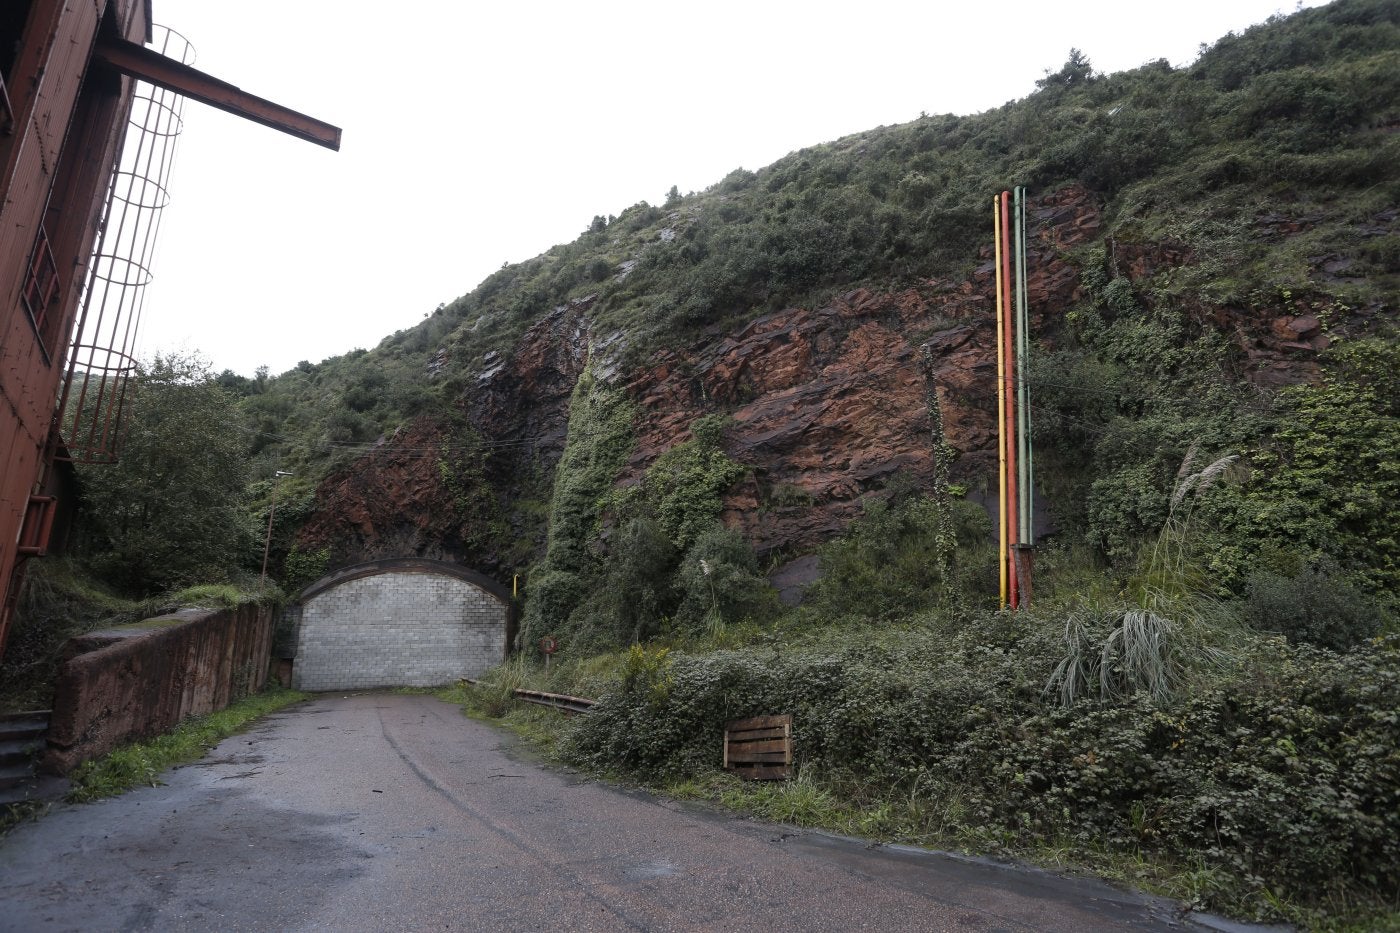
267 543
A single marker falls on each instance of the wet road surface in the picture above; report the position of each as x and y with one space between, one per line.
387 812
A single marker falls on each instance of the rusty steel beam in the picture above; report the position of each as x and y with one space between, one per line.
143 64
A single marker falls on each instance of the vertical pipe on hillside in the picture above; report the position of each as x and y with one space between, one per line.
1001 408
1030 438
1011 414
1026 481
1022 437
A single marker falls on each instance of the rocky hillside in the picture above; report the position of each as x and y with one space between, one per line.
1200 238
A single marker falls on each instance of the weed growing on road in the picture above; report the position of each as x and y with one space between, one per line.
23 811
141 763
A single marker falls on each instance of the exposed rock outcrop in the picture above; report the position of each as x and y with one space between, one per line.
448 488
827 403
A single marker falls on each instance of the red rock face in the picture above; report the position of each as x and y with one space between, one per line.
523 402
828 403
391 499
419 493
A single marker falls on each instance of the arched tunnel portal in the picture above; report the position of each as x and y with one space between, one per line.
405 622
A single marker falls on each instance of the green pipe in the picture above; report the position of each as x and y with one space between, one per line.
1030 446
1023 343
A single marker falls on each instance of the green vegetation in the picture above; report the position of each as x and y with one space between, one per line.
59 600
170 512
1329 479
892 561
600 438
167 526
142 763
628 564
1265 787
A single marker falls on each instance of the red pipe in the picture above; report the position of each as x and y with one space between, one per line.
1009 438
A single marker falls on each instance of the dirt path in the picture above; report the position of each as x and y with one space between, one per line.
387 812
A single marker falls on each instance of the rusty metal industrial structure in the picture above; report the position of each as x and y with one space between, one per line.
70 80
102 360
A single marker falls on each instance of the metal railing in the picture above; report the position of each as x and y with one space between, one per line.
559 701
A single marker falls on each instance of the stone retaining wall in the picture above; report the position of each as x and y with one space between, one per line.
140 680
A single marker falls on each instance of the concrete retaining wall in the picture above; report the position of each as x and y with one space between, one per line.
404 624
141 680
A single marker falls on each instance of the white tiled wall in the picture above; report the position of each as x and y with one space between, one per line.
398 629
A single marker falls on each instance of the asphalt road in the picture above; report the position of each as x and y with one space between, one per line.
387 812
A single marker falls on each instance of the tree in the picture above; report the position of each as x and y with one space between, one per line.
1076 72
673 196
170 511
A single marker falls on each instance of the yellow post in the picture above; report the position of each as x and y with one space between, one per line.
1001 405
515 585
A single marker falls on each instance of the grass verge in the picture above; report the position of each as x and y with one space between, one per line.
141 763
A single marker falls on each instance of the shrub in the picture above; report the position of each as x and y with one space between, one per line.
1315 606
636 591
1281 773
684 488
301 568
169 512
889 563
1327 479
720 583
600 437
57 601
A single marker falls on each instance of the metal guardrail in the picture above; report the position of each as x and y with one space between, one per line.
560 701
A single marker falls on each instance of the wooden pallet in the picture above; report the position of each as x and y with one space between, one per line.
760 748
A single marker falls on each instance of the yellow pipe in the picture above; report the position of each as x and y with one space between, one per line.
1001 406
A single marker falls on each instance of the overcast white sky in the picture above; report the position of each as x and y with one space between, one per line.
482 133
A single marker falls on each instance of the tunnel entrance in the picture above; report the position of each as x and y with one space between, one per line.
399 623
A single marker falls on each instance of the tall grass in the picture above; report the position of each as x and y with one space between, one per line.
1168 629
